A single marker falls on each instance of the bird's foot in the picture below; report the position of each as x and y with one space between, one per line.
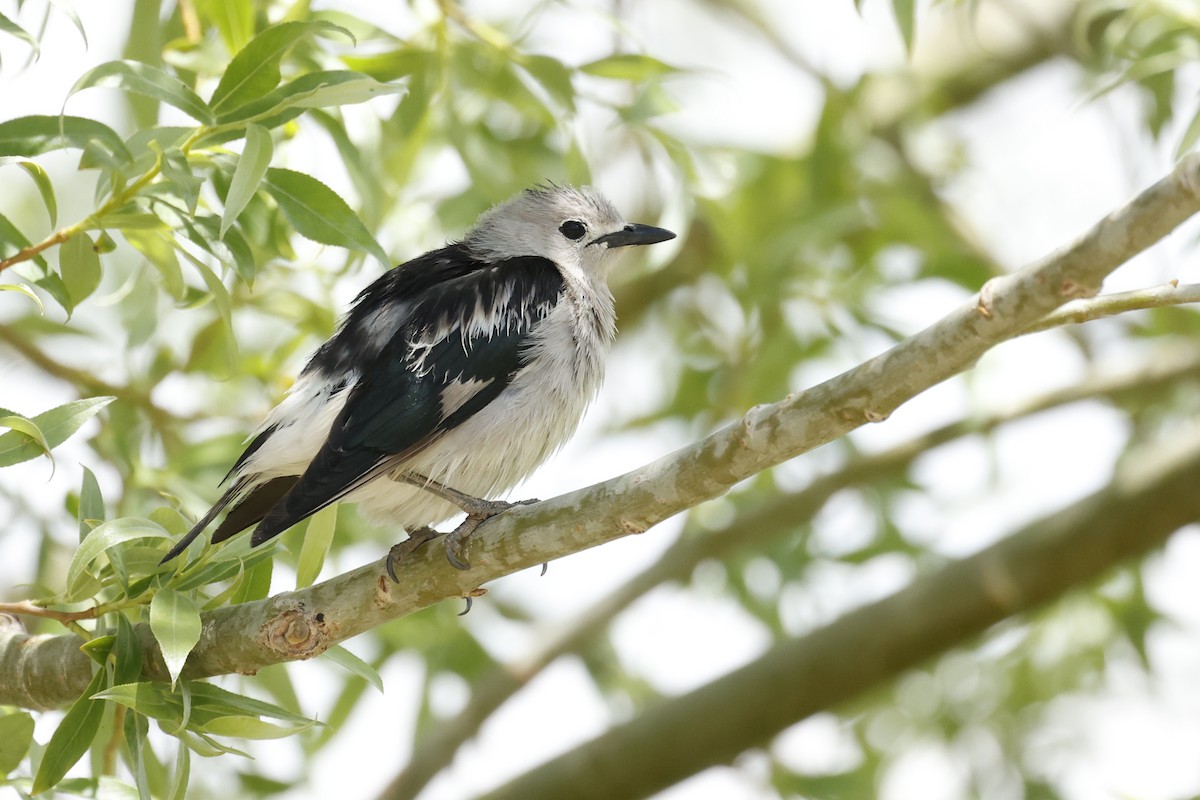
454 541
482 511
402 550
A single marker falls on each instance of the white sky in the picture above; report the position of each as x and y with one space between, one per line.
1043 166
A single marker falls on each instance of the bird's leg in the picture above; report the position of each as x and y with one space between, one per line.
478 510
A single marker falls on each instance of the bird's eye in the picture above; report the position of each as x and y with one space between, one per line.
573 229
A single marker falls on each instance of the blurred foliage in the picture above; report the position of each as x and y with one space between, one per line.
275 157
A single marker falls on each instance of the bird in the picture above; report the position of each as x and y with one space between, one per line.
452 377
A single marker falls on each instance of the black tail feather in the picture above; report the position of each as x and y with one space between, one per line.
252 508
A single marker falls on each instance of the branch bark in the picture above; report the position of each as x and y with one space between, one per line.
295 625
867 647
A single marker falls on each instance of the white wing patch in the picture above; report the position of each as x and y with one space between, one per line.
456 394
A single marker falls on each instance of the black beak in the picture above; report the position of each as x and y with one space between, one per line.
634 234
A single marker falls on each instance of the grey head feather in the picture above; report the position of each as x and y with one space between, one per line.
530 224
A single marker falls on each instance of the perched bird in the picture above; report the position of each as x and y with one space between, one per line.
451 379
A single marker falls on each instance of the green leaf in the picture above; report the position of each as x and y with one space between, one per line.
16 734
334 88
91 504
79 265
255 583
254 71
317 213
10 27
44 187
65 7
233 19
176 625
317 538
25 427
25 290
182 773
101 538
906 20
56 426
207 698
224 305
251 728
179 178
73 736
11 241
352 663
37 134
247 175
128 650
139 78
628 67
159 249
151 699
312 90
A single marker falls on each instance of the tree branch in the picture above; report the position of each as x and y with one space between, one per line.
294 625
872 645
749 530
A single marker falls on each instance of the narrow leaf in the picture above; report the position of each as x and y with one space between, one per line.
150 699
906 19
10 27
176 625
16 734
25 290
104 536
247 175
317 538
183 764
233 19
27 428
251 728
56 426
143 79
254 71
44 187
159 249
348 661
73 736
37 134
79 265
65 7
128 651
318 213
628 67
91 503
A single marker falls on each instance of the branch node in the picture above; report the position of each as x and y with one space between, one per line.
1074 290
295 633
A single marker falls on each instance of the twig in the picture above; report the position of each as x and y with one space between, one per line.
1108 305
26 608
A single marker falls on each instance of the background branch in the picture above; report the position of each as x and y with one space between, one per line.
751 529
867 647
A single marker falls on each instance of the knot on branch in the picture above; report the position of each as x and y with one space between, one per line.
297 633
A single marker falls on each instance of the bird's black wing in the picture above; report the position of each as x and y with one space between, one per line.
458 346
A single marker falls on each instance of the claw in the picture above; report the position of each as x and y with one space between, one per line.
402 550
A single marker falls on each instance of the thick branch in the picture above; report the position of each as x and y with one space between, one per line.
749 530
867 647
292 625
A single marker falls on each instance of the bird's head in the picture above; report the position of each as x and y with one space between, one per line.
577 228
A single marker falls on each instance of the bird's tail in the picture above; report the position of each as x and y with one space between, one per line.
252 505
199 527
